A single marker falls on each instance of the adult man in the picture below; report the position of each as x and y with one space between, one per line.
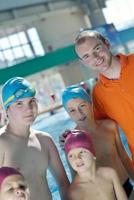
114 92
30 151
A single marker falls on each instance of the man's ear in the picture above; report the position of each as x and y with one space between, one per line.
107 43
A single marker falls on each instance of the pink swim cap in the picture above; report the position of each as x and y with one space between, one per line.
78 138
7 171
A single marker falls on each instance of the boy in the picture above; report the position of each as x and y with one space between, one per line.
13 185
31 152
90 182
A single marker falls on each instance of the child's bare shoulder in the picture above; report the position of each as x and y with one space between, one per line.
43 137
107 124
106 172
40 134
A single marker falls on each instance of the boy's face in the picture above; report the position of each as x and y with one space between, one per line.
23 111
80 159
14 188
79 110
95 54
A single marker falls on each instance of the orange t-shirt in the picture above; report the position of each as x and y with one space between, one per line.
115 99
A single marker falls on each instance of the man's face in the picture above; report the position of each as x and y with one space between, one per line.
14 188
95 54
80 111
80 159
23 111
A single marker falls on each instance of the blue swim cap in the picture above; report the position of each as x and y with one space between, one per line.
16 88
74 92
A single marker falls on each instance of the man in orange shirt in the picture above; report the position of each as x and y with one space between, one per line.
113 95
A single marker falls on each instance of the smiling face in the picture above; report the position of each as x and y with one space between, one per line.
80 159
14 188
23 111
95 54
80 111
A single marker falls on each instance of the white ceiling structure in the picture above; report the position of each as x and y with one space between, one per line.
11 4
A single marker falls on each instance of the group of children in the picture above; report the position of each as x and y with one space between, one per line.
29 152
100 166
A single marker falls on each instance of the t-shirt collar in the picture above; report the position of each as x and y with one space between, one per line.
123 61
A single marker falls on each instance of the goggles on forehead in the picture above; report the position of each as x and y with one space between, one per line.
19 93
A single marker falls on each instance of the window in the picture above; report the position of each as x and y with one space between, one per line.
120 13
20 46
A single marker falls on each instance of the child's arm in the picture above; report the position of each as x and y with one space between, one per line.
57 169
119 191
62 139
124 156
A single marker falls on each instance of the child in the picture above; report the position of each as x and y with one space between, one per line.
30 151
90 182
13 185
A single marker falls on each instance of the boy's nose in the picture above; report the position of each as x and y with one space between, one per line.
19 192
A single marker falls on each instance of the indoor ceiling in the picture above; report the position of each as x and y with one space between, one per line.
10 4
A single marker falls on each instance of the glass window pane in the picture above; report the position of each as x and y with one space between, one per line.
33 35
1 56
14 41
18 52
27 51
4 43
22 38
119 7
8 55
39 51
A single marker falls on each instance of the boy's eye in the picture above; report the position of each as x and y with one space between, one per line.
70 156
23 187
33 100
81 152
82 105
19 103
10 189
72 111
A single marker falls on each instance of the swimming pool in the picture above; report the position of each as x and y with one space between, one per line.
55 125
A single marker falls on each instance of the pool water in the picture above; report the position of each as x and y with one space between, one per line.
55 125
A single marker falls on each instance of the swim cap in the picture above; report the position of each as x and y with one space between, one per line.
14 89
7 171
74 92
78 138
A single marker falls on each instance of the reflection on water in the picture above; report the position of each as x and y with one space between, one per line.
55 125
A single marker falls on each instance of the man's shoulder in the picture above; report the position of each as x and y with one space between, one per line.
130 58
97 89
